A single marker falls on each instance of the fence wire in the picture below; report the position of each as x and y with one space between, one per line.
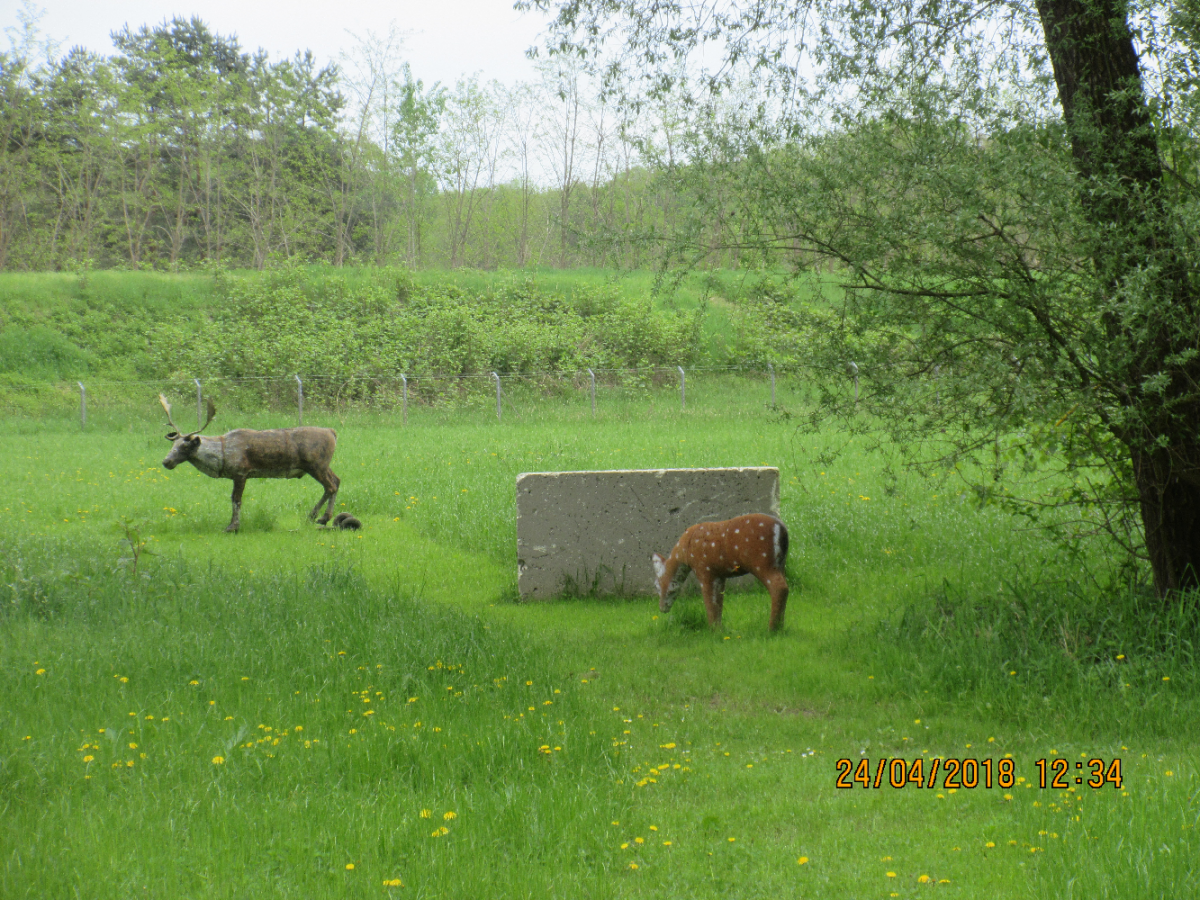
306 397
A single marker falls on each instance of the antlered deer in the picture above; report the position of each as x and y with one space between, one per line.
754 544
242 454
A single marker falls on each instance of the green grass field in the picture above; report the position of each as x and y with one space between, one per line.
289 712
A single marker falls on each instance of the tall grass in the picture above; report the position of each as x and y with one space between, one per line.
717 750
204 733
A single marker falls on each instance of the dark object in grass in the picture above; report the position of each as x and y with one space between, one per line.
346 522
242 454
754 544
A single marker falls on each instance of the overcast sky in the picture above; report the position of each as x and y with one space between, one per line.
445 39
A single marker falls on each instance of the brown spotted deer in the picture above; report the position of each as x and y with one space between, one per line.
753 544
242 454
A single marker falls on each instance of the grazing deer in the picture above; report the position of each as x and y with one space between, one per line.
754 544
242 454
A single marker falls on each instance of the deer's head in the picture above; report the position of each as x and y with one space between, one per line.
667 582
183 446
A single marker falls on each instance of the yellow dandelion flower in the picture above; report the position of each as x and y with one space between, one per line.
891 874
88 759
990 844
394 882
218 760
633 865
425 814
923 879
802 861
449 815
349 867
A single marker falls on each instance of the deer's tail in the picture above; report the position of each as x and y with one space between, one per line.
781 544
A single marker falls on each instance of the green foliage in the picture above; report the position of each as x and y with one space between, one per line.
319 325
1030 641
42 353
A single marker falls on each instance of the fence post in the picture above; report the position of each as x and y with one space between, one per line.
592 375
405 380
299 401
498 416
771 367
852 370
199 407
82 405
682 388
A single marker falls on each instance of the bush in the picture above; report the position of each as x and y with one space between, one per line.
42 353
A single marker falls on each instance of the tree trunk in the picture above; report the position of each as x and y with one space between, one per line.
1122 194
1171 517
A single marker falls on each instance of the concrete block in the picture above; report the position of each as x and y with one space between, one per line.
596 530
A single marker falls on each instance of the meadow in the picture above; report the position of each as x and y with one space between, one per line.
293 712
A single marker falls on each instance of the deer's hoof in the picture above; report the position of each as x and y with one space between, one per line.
231 529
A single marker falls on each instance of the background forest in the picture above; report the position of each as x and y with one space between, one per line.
184 150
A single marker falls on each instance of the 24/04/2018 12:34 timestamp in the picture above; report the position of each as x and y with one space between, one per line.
972 773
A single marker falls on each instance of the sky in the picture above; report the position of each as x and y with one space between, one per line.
443 39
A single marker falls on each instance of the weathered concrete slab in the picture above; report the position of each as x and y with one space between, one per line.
596 530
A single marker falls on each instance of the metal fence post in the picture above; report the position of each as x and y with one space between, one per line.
771 367
682 388
199 406
498 415
405 381
299 401
592 376
82 405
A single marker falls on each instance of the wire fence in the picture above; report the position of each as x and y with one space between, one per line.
303 398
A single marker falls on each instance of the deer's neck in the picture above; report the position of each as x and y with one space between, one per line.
209 457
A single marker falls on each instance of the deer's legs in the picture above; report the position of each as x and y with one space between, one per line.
713 591
719 597
239 485
778 586
331 483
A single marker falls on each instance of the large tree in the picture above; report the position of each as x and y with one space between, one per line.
1009 200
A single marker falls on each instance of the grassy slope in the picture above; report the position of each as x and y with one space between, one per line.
756 722
107 313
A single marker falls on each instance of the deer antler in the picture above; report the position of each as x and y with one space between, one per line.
167 407
212 411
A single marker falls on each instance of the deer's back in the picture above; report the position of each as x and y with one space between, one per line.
736 546
282 451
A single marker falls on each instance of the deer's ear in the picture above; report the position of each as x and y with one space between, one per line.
172 436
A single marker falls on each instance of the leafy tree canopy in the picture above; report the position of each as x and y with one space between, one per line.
1006 193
